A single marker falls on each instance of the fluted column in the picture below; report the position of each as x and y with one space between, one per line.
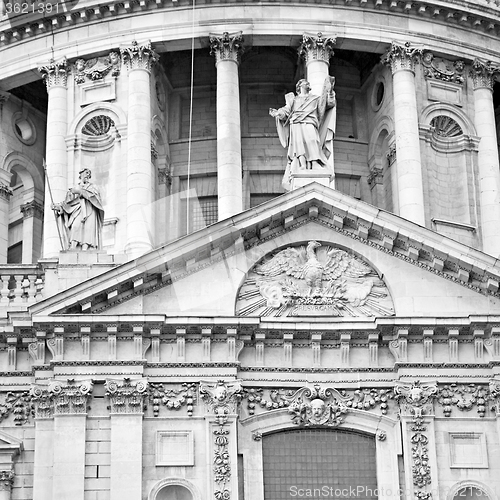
489 174
402 59
227 50
55 75
317 51
140 180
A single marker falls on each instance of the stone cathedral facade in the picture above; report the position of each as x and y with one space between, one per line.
214 336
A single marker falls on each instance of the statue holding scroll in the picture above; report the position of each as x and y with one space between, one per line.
306 126
80 216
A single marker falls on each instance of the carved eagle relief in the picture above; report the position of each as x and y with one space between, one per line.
313 279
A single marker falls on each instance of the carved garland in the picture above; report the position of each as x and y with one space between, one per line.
221 399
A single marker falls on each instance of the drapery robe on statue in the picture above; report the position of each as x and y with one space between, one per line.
306 126
81 217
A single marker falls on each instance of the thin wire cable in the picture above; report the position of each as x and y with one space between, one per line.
190 121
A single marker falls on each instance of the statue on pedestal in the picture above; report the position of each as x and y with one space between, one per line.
80 216
306 126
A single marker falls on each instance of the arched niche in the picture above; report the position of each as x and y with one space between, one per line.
174 488
384 430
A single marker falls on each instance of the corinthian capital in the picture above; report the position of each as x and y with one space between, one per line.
227 47
483 74
317 47
139 56
402 57
55 74
127 395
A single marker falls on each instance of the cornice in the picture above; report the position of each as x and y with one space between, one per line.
481 16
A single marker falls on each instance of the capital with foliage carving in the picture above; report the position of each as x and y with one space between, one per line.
483 74
127 395
227 47
55 74
5 192
60 398
32 209
139 56
6 480
317 47
402 57
415 398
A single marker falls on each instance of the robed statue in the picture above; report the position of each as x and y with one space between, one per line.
80 216
306 126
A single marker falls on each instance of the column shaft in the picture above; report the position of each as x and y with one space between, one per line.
408 163
229 169
140 187
488 161
56 158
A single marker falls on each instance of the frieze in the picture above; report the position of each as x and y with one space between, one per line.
127 395
312 280
438 68
97 68
172 399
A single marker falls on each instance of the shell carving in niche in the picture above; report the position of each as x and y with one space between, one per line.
445 126
98 125
313 280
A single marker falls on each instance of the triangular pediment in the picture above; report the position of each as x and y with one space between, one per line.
230 248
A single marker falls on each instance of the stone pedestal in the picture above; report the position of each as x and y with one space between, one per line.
302 179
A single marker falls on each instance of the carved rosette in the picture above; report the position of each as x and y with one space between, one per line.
317 48
483 74
55 74
227 47
6 480
222 400
402 57
139 56
127 395
32 209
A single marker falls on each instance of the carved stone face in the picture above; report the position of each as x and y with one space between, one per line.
220 393
114 57
80 65
317 408
416 394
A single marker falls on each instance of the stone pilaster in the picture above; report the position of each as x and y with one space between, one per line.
32 230
482 75
127 398
139 59
221 401
55 75
402 59
417 419
227 50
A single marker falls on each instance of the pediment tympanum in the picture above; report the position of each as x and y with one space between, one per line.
313 279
